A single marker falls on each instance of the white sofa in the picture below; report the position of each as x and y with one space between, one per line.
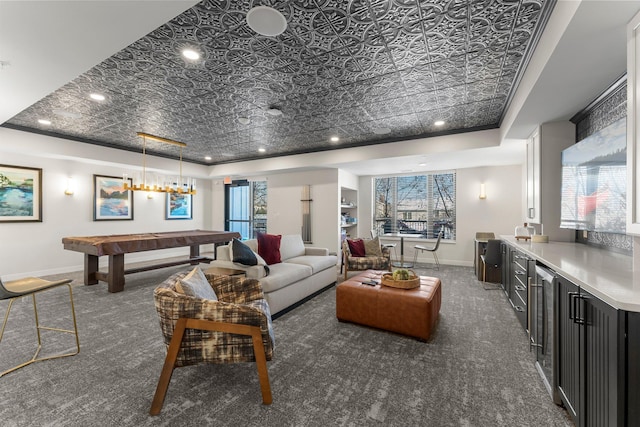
302 272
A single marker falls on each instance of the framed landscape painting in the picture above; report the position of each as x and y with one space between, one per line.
20 194
110 200
179 206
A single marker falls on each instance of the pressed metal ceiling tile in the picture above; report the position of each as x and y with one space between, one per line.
346 67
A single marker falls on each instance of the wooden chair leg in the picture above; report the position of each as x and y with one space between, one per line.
169 365
261 363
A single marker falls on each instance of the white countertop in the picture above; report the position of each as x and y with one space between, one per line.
605 274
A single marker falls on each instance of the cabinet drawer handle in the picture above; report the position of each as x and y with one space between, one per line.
520 273
520 288
572 299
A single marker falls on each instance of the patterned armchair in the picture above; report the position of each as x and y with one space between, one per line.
236 328
359 263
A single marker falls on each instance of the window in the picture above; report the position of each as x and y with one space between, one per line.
246 207
418 204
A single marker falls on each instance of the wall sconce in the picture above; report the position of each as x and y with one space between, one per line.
483 194
71 187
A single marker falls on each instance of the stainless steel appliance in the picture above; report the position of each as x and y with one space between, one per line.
543 328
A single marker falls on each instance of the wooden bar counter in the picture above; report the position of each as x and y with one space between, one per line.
115 246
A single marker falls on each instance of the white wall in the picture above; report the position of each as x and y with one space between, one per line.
35 248
284 206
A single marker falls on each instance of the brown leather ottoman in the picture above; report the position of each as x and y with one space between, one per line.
412 312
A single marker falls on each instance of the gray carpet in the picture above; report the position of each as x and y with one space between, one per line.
475 371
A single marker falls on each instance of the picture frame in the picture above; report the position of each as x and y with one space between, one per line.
111 202
179 206
20 194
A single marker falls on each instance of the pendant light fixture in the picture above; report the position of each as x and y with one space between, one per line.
147 181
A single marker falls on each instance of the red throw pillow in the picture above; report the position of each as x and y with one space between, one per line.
269 247
356 246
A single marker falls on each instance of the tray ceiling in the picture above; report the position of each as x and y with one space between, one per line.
366 72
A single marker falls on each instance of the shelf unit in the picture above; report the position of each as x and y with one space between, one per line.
348 212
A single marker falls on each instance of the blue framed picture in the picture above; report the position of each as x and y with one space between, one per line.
110 200
20 194
179 206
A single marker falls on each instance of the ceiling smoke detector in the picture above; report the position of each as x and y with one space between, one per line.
244 120
266 21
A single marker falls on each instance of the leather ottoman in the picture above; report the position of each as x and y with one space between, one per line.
412 312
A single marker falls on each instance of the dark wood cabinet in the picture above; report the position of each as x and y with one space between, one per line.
591 344
522 270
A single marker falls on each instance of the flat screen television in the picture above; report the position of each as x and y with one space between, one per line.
594 181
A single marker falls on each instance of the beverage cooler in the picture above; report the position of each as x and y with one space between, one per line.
543 337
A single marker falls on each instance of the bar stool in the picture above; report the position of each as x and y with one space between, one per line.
15 289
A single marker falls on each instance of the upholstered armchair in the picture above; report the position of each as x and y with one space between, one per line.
367 262
235 328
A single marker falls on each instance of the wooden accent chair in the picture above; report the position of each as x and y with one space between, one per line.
361 263
235 328
32 286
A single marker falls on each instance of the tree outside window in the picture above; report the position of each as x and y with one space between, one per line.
418 204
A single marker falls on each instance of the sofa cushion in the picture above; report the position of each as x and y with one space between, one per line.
317 263
242 253
269 247
284 274
372 247
356 247
195 284
291 246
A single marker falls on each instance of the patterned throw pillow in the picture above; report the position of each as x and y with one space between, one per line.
195 284
356 247
269 247
242 253
372 247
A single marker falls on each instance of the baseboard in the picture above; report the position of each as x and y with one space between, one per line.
302 301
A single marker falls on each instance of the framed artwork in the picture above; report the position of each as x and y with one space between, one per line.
20 194
111 202
179 206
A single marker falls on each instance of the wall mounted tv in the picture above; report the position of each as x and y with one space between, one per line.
594 181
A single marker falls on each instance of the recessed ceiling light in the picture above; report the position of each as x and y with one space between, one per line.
190 54
244 120
266 21
335 139
381 131
274 111
262 150
96 97
44 122
422 164
207 158
439 122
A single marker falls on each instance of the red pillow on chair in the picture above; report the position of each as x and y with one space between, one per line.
269 247
356 246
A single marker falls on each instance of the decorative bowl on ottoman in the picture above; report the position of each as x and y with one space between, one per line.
401 278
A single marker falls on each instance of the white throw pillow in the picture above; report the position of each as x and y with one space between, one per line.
195 284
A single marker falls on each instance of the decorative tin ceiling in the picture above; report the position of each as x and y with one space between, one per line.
353 69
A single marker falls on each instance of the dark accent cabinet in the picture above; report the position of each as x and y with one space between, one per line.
591 336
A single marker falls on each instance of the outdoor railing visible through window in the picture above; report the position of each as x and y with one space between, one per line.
417 204
246 210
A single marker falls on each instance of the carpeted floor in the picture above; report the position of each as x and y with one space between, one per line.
475 371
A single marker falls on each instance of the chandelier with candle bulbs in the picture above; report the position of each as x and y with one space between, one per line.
148 181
